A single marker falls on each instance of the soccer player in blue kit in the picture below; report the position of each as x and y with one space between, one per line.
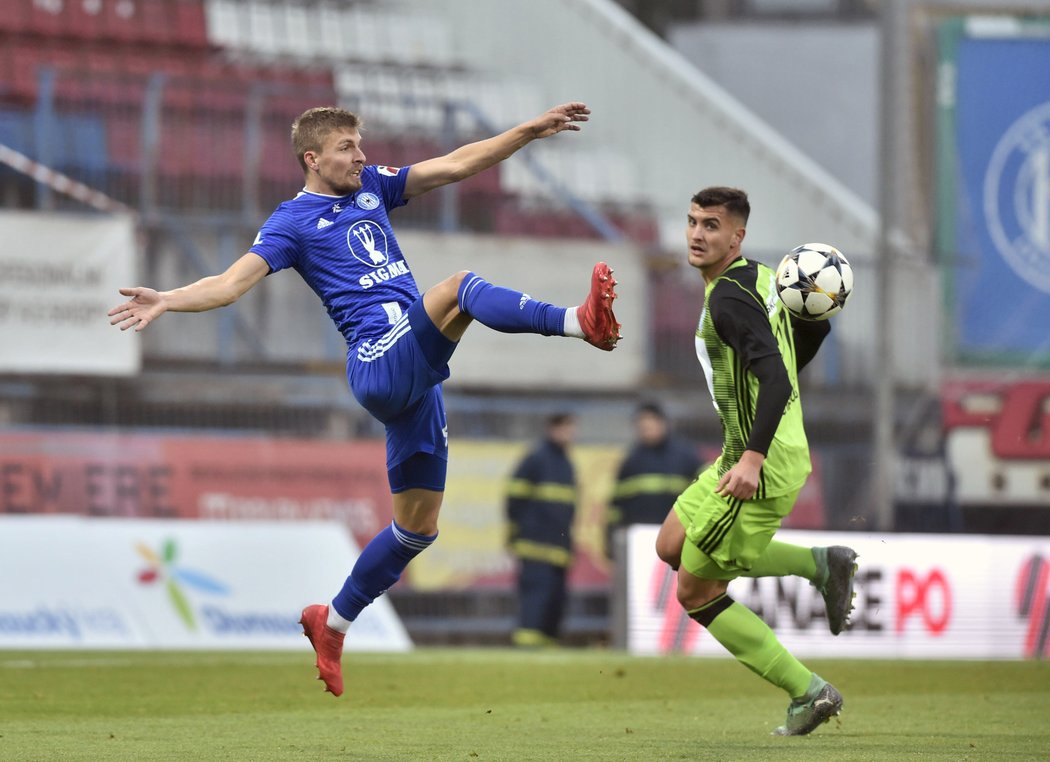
336 234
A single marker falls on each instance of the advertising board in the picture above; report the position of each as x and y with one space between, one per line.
77 582
918 596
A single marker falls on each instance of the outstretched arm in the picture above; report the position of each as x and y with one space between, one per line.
146 305
472 158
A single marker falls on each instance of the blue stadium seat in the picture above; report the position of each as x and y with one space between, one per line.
76 142
82 138
16 130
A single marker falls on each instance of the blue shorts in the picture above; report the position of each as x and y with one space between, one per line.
397 378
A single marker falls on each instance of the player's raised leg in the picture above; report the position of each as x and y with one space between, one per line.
836 567
595 316
830 570
466 296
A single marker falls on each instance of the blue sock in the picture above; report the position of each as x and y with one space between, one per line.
378 568
509 311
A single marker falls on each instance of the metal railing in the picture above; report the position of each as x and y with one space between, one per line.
168 144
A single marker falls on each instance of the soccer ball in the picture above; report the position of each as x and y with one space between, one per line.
814 280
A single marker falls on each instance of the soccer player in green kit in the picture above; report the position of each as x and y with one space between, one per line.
722 526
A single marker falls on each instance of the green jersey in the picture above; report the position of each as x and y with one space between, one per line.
745 343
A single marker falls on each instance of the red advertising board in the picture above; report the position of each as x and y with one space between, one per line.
236 478
196 477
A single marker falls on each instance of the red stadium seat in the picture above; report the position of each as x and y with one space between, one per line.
105 53
509 220
26 60
102 59
201 148
175 146
16 16
121 21
190 28
123 141
85 19
68 64
19 79
277 163
108 79
157 22
638 227
7 65
180 90
48 19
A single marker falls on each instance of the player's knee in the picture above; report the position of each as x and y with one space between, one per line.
695 592
446 290
424 525
445 295
688 598
454 281
669 542
668 552
418 518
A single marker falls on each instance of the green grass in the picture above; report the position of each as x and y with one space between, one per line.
503 705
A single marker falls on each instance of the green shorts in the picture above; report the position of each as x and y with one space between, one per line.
724 535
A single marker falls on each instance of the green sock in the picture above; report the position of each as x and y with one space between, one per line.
816 685
753 644
782 560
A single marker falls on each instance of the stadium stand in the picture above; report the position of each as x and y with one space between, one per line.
189 94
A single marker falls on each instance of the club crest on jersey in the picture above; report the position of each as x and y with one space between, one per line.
367 243
367 201
389 171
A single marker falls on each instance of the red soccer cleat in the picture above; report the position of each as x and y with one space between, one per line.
328 644
595 314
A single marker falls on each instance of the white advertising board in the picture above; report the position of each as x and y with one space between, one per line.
75 582
59 275
918 596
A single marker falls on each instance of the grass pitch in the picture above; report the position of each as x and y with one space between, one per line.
504 705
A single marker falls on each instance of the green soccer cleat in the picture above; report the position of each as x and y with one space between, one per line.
803 717
836 567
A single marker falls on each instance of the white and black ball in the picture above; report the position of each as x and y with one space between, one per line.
814 281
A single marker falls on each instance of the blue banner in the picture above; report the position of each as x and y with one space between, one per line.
997 256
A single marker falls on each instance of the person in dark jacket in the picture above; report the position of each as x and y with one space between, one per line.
657 469
541 505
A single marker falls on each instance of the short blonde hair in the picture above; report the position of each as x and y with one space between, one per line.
314 125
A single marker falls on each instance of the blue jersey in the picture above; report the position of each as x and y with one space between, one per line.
345 249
